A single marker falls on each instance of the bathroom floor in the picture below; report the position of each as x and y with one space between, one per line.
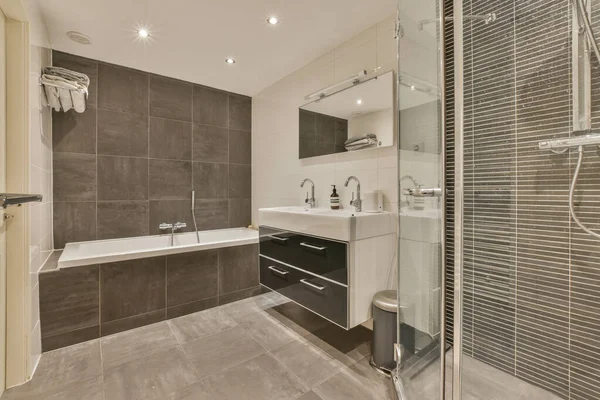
256 349
251 349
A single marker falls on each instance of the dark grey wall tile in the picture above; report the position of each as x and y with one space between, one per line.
192 277
133 287
170 139
69 299
170 98
212 214
240 147
170 211
239 295
210 106
211 144
122 89
325 128
240 181
124 324
170 180
118 219
238 268
240 112
307 125
74 132
190 308
74 222
61 340
240 213
211 180
74 177
122 134
122 178
83 65
341 131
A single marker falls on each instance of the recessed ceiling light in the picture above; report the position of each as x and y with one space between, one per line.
79 37
143 33
273 20
359 101
413 87
230 61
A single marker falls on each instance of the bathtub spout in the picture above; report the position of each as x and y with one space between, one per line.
173 227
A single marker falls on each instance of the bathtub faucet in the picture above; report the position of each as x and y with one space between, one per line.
173 227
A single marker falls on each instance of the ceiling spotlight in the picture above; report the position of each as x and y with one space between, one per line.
230 61
413 87
359 101
273 20
143 33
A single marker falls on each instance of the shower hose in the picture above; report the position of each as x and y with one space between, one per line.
572 195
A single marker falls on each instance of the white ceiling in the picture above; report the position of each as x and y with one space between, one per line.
190 39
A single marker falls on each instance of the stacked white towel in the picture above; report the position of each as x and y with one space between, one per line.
361 142
65 89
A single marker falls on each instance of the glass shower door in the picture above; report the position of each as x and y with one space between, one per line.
421 153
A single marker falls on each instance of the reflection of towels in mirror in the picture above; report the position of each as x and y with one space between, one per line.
361 142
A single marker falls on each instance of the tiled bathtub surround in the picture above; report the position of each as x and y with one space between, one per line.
83 303
131 160
531 275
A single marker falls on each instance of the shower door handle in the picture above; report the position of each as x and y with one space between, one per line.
423 192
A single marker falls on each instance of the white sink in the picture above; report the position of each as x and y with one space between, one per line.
421 225
344 225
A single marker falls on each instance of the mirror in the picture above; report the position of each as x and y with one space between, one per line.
357 118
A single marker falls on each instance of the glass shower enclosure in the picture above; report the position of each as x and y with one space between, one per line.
499 166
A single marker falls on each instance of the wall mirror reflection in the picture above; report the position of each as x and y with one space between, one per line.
357 118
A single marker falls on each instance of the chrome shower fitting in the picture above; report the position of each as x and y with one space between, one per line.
562 145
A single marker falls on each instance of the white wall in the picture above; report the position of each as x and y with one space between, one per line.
276 169
40 172
378 123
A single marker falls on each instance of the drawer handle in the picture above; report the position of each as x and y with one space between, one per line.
312 247
279 271
278 239
312 285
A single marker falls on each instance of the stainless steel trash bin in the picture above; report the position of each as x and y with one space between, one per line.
385 330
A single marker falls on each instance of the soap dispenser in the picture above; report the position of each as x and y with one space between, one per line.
334 200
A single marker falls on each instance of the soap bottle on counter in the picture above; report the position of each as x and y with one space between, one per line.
334 200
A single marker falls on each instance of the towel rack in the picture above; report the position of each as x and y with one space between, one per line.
17 199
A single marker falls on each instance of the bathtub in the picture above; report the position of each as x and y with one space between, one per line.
114 250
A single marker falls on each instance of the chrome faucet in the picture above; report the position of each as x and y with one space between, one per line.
358 202
173 227
312 200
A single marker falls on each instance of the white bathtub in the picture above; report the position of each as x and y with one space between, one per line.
106 251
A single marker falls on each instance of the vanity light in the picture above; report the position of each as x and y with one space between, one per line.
143 33
273 20
230 61
359 101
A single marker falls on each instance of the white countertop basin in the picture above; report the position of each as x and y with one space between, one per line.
344 225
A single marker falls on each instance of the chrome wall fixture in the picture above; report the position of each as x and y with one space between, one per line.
18 199
486 18
354 79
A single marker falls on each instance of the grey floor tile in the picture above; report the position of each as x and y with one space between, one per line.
490 386
136 343
216 353
310 395
201 324
61 368
259 378
297 318
307 362
197 391
359 382
89 389
245 310
153 377
348 347
535 393
267 331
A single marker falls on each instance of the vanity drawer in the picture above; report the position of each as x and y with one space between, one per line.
323 257
323 297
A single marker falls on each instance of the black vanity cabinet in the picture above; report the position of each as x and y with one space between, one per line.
308 270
